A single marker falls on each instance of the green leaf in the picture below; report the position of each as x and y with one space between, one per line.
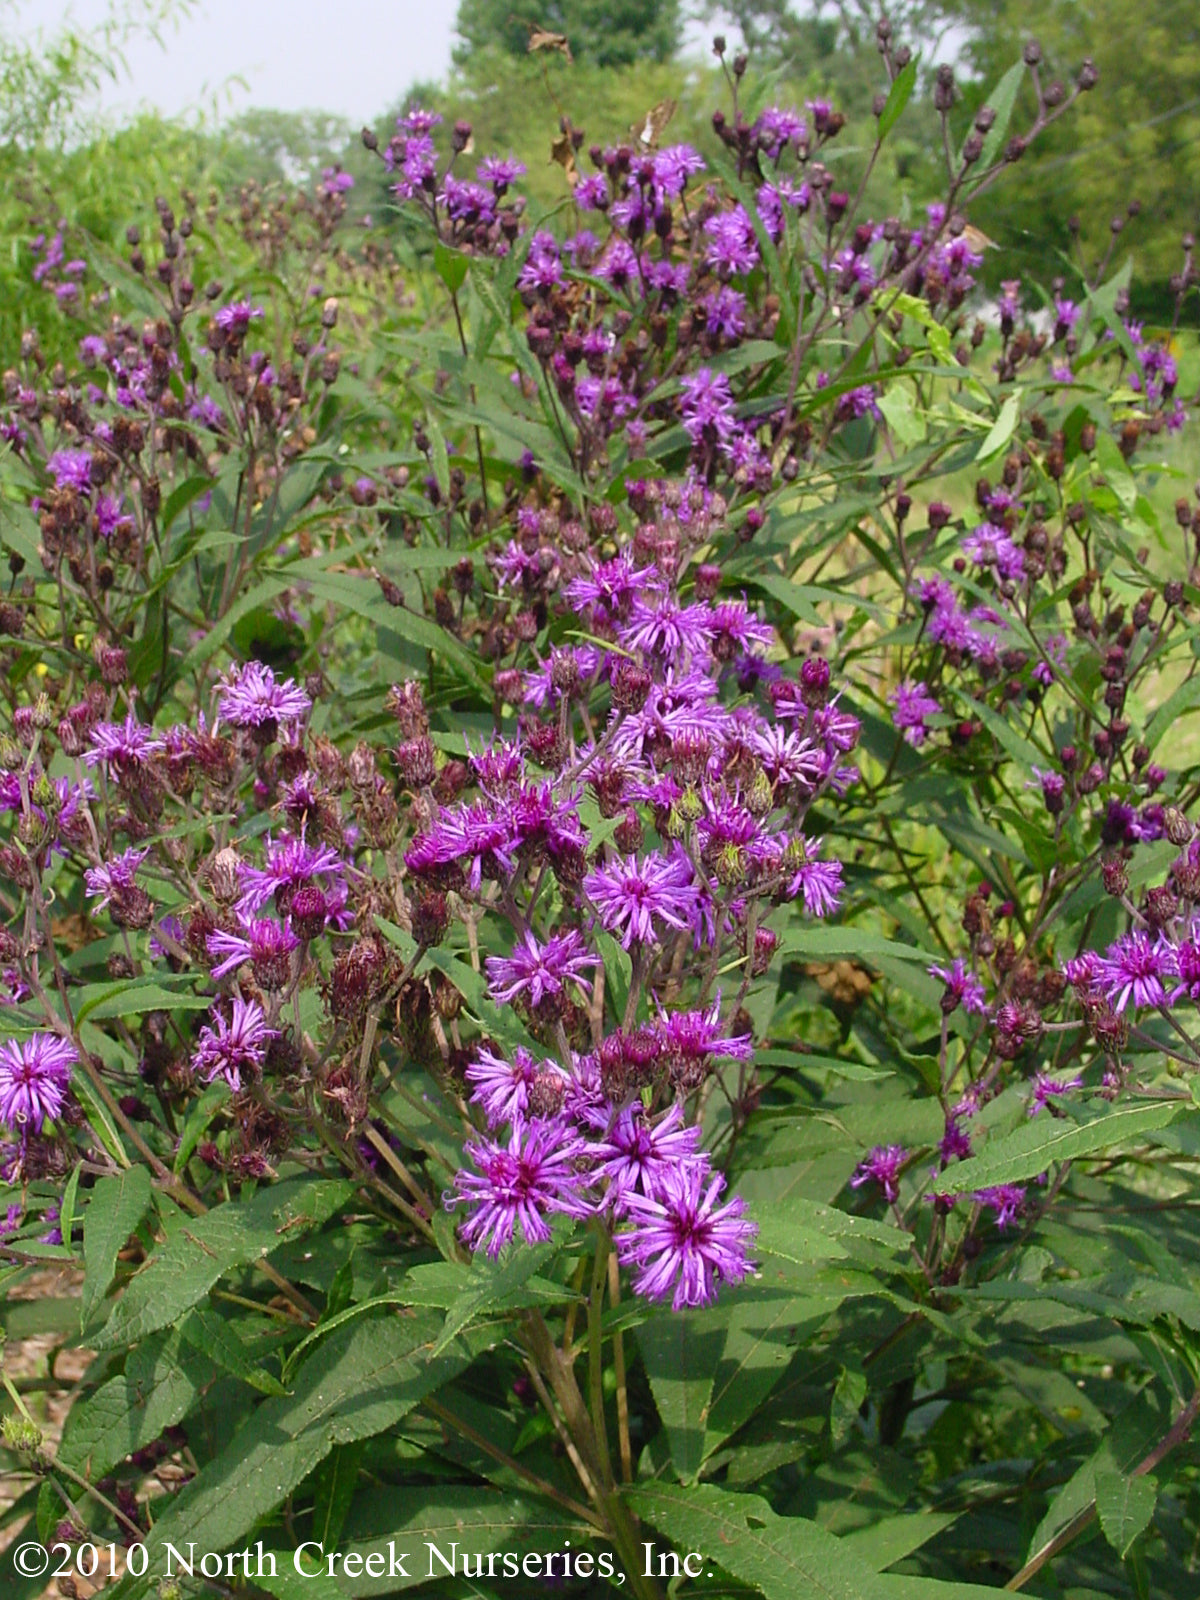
197 1121
1125 1506
450 266
898 97
1002 101
460 1521
786 1558
161 1383
360 1383
494 1286
114 1211
202 1249
1002 430
681 1353
1029 1150
204 1329
99 1119
849 1392
816 942
101 1001
901 414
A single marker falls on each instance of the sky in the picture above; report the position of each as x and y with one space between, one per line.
353 57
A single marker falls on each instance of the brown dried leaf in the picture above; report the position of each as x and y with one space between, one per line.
542 39
649 130
563 152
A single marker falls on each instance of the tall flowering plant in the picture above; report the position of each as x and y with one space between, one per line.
596 918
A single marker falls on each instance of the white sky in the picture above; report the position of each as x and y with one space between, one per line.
354 57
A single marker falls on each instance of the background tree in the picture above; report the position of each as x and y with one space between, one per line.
607 33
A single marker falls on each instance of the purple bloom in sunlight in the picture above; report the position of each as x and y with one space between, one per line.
913 703
732 246
1134 970
34 1075
1005 1201
539 969
291 863
71 469
666 627
690 1037
251 697
500 172
635 1154
124 745
963 988
681 1240
631 895
532 1176
674 165
115 876
231 1047
418 120
820 882
266 944
334 181
1045 1088
882 1166
503 1087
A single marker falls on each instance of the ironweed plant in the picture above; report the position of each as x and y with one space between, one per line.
599 897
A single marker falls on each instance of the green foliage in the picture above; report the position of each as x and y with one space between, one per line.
603 33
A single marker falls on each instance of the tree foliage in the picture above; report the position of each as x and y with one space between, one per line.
606 33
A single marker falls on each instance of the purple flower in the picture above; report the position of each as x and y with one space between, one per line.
291 863
500 172
882 1166
236 317
956 1141
778 127
334 181
732 245
674 165
990 546
267 944
913 703
1005 1201
502 1088
591 193
630 895
1045 1088
636 1154
540 969
666 627
532 1176
707 407
233 1046
114 877
71 469
1134 969
251 697
690 1037
680 1239
34 1075
418 120
820 882
124 745
963 988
